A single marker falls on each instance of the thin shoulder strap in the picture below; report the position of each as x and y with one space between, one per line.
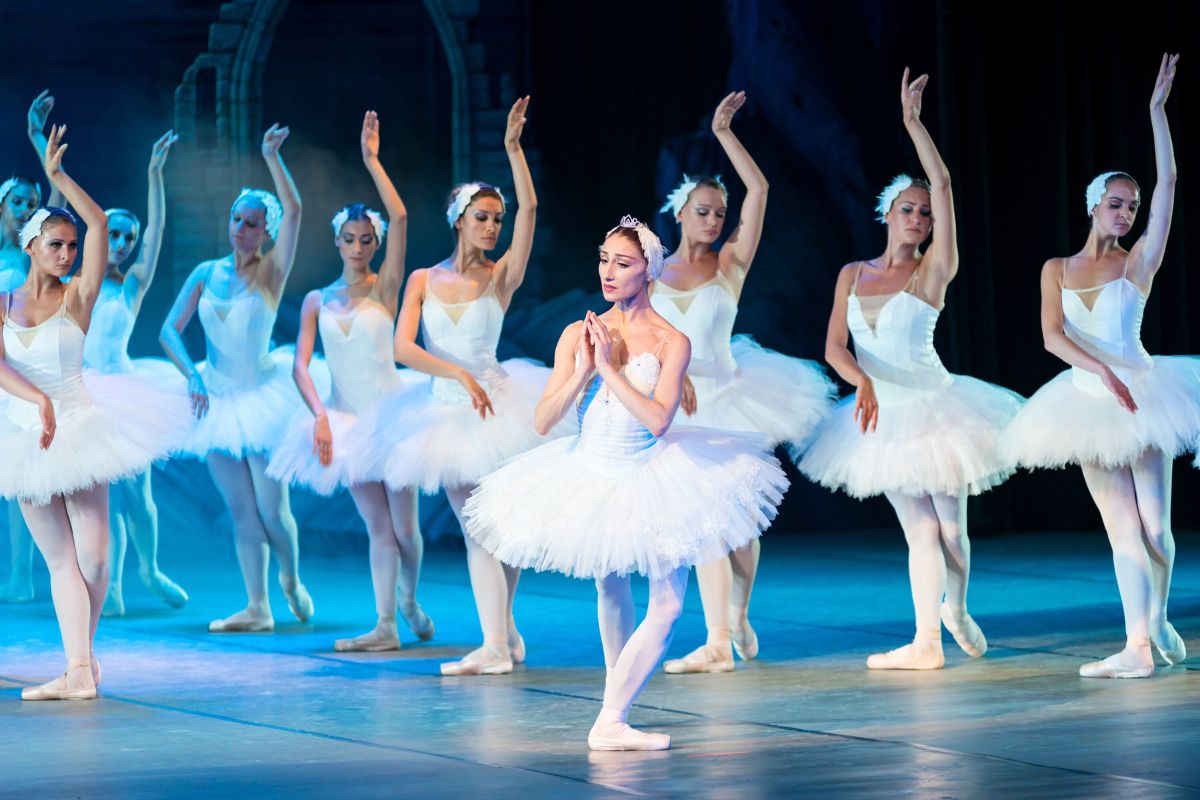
912 280
857 275
1062 281
1125 269
663 341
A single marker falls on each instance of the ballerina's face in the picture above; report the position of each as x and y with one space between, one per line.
702 218
247 225
622 269
55 248
357 243
19 205
122 238
1117 209
480 223
911 217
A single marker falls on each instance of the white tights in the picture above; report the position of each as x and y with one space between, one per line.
494 584
631 655
20 575
725 587
1135 506
939 554
396 546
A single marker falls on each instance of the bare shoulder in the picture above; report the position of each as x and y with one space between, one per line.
1053 268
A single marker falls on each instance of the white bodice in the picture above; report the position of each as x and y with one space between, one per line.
898 352
50 356
1111 331
106 348
465 334
705 314
607 430
359 353
237 335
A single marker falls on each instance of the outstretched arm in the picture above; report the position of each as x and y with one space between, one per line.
942 256
95 242
142 271
391 272
283 255
1148 253
39 113
737 254
573 368
510 269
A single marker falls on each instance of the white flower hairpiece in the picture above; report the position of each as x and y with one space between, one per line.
888 196
677 199
1096 189
33 228
462 197
652 246
270 203
377 222
137 223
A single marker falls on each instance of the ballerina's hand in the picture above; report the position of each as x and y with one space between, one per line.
369 140
910 96
723 116
39 111
1119 390
1166 76
601 343
323 440
54 150
273 140
198 394
688 401
49 423
585 361
866 407
479 399
160 151
516 124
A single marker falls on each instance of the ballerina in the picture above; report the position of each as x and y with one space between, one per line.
732 382
66 436
323 447
922 437
243 395
626 495
1119 413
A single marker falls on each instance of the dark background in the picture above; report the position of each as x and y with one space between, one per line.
1026 102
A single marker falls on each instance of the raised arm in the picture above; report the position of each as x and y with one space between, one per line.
171 338
1055 339
82 291
391 272
283 254
737 254
573 368
142 271
1148 252
838 355
942 256
656 412
39 113
510 269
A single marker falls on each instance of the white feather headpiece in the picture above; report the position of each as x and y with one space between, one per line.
677 199
33 228
1096 189
270 203
11 184
889 194
463 195
652 246
377 222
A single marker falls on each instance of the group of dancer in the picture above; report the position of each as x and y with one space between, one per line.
581 468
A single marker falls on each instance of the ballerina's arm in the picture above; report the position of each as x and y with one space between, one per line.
510 269
391 272
739 249
282 257
656 412
17 385
573 368
171 339
942 256
838 355
1147 253
305 341
39 113
83 290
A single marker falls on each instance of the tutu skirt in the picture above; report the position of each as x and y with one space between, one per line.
690 498
430 437
779 396
1064 424
128 423
934 442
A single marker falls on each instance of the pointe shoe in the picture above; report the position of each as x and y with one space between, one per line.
1169 645
61 689
246 621
11 593
485 660
920 654
968 635
707 658
418 621
1124 664
97 673
516 649
298 599
745 642
164 588
114 604
619 736
381 639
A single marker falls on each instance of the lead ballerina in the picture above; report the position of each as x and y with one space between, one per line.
1119 413
913 432
626 495
732 383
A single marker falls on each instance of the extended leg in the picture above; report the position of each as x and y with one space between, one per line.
956 552
232 477
275 512
1152 482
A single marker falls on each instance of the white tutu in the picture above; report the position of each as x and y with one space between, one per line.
428 435
248 420
937 442
128 424
773 394
1064 424
690 498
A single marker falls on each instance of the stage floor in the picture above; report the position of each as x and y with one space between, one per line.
189 714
